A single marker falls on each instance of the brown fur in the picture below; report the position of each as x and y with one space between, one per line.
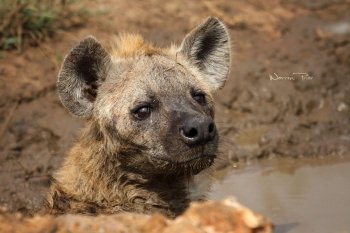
121 163
90 184
132 45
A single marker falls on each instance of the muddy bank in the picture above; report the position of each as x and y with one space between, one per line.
224 216
265 110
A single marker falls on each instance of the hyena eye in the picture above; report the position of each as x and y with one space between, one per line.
199 97
142 113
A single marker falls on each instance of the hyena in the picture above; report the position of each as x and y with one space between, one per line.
150 137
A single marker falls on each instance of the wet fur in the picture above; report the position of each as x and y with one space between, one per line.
119 164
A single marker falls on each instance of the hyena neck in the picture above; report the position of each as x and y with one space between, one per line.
93 181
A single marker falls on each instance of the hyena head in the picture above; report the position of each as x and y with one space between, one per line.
153 108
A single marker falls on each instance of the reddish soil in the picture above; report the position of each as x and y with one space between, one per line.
224 216
257 117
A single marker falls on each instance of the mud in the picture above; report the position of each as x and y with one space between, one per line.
224 216
257 117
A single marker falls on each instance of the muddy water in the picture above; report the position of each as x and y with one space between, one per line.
299 196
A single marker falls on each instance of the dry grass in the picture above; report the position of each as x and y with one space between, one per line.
29 21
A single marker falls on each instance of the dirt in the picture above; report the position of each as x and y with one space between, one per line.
258 117
224 216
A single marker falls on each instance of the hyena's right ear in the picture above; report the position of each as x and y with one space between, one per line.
82 72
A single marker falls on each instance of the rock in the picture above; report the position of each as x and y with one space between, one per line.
210 216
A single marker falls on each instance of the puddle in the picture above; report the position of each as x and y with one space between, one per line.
299 196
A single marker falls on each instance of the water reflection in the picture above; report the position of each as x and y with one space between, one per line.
286 228
297 195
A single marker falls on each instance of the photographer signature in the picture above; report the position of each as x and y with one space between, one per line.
301 75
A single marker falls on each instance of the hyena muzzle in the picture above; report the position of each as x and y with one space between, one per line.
150 136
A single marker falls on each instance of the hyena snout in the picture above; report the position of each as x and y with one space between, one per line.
196 131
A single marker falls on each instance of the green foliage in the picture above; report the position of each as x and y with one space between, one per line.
29 20
9 42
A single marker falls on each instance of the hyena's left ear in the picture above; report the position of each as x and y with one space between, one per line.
82 72
208 48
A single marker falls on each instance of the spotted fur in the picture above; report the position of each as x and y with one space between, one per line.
120 163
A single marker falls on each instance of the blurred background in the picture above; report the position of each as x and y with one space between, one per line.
283 115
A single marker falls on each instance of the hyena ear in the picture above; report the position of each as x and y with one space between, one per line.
82 72
208 48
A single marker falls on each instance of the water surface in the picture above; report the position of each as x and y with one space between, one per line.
299 196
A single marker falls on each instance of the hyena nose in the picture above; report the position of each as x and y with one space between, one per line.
198 131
